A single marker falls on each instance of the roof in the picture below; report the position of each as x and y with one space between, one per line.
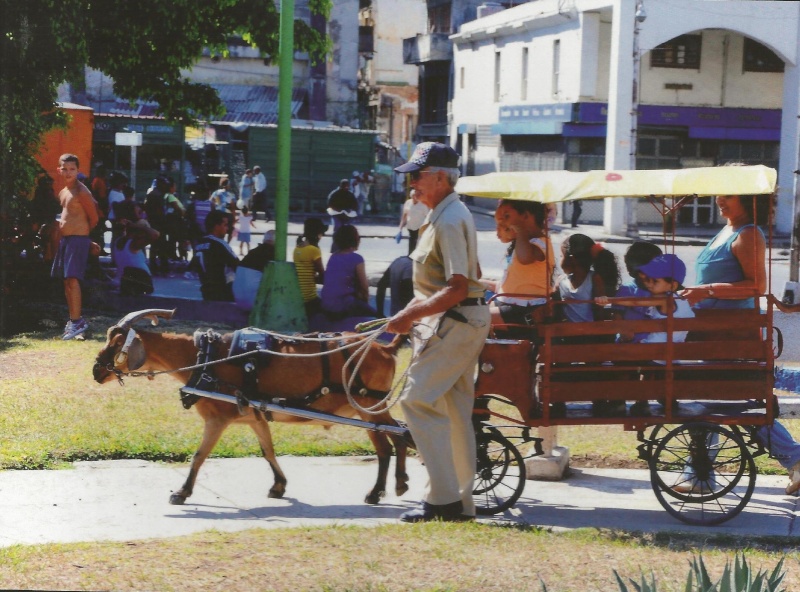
244 104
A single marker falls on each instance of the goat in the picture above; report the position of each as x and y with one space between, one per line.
127 350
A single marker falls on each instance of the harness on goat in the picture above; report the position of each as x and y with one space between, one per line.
262 345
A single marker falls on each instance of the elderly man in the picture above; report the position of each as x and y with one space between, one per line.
448 300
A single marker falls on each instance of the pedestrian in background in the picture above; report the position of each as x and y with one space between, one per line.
216 262
246 190
224 200
259 193
342 207
412 217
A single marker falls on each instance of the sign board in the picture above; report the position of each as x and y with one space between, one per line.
128 139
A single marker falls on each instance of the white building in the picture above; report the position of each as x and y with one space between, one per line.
550 85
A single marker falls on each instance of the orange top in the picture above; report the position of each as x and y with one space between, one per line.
534 279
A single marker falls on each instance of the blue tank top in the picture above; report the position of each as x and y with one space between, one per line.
719 265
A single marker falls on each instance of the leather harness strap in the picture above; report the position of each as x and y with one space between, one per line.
203 378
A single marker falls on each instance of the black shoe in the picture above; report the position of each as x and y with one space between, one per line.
428 512
641 409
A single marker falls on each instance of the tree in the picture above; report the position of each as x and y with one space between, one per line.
142 45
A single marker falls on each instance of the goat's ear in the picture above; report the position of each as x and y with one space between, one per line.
136 354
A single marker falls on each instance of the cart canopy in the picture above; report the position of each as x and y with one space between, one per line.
557 186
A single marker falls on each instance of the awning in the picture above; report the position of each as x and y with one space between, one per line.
528 128
579 130
735 133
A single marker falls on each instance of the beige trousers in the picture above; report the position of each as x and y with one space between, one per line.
437 403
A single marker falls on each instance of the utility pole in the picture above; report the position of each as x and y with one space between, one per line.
631 224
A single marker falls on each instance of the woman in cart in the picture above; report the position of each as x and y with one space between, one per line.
732 260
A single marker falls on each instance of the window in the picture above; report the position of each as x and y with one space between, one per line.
556 66
461 77
497 77
439 18
759 58
523 94
680 52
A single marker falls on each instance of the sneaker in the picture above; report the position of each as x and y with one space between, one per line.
74 328
794 480
688 483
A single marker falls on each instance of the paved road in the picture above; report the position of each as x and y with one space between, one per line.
127 500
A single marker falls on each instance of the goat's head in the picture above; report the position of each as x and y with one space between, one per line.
123 351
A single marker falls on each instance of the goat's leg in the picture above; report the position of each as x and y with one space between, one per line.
264 435
384 452
212 431
400 475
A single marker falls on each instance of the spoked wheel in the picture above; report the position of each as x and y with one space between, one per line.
500 474
702 473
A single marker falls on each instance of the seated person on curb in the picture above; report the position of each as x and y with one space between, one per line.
345 292
662 276
590 272
308 263
215 259
530 265
399 278
250 271
133 273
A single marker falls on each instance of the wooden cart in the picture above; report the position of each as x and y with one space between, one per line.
708 395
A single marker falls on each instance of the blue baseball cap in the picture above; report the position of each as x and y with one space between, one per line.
430 154
665 266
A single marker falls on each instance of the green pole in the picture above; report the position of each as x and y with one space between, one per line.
279 303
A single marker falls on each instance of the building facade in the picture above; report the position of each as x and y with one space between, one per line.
552 84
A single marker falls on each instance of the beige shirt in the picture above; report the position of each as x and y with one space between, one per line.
447 246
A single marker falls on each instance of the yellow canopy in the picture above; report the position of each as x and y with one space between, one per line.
555 186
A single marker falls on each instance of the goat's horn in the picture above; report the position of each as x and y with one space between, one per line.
151 313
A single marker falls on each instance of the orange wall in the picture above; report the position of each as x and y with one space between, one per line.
77 139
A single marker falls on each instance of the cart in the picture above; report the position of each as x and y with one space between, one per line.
714 390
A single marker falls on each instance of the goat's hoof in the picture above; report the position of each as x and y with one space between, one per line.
374 498
176 499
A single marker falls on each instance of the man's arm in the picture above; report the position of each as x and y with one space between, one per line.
456 290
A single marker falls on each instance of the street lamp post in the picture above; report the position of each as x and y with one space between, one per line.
639 18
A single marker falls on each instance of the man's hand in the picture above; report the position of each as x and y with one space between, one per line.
400 323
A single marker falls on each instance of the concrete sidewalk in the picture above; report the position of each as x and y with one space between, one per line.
128 500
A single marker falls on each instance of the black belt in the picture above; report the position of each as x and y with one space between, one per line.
472 302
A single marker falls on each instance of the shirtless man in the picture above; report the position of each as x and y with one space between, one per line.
78 217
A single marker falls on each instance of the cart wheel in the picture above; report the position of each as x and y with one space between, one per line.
702 473
500 475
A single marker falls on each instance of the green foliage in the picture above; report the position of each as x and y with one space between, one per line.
144 46
738 578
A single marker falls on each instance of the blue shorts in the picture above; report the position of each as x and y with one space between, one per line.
72 257
244 237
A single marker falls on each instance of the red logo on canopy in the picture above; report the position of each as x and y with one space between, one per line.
613 177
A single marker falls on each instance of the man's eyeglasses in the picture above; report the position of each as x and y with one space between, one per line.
414 175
